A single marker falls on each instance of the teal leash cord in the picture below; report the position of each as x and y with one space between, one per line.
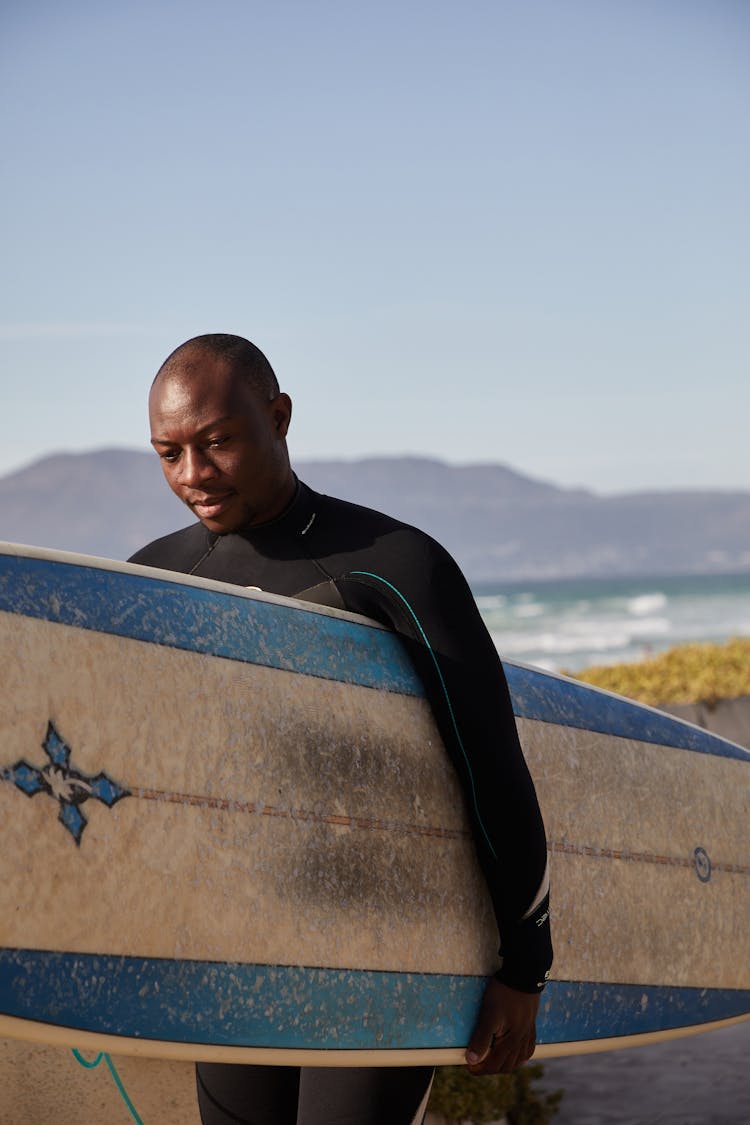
115 1076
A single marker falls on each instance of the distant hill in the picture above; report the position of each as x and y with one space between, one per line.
496 522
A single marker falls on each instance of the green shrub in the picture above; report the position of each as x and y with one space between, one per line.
462 1097
687 674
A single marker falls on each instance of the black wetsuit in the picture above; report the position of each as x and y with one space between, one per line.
341 554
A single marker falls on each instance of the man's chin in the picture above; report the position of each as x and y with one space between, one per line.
220 526
223 522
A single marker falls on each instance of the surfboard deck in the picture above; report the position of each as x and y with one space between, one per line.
231 832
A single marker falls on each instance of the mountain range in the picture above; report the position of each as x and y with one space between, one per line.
498 523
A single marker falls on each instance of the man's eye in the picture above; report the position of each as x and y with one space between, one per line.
169 455
214 443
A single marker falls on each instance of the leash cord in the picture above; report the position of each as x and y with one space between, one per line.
115 1077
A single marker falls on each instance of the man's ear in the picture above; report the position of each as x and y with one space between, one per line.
281 412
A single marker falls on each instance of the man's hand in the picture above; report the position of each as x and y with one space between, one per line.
505 1031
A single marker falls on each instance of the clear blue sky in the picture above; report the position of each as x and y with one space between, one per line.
513 231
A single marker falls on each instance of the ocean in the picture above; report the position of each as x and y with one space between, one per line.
570 624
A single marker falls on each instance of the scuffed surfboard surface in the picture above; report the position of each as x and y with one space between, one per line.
228 820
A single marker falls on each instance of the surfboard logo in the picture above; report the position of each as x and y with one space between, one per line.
68 786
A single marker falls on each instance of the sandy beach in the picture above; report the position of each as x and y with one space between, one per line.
700 1080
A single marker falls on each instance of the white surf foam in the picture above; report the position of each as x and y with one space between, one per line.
576 624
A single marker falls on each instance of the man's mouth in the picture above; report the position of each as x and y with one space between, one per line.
209 507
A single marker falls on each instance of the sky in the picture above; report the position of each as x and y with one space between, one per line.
510 231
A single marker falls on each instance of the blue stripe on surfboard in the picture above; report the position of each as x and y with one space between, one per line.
206 621
185 617
551 699
292 1007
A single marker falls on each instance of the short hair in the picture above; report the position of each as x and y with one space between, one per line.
245 360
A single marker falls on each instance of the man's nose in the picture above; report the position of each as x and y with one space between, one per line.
195 467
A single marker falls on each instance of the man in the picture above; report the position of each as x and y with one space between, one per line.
219 424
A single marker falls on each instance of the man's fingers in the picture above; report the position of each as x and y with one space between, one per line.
505 1033
477 1051
484 1035
505 1057
505 1054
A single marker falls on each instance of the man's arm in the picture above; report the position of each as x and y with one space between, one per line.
466 686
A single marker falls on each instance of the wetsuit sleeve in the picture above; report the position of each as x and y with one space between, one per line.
458 663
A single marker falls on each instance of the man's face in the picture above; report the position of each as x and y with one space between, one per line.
222 447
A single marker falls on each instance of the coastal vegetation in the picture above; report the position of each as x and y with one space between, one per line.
689 673
459 1097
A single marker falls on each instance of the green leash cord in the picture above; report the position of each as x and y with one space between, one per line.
115 1076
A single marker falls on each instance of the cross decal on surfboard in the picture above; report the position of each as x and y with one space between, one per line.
68 786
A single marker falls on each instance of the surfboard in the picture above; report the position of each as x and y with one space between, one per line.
230 832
